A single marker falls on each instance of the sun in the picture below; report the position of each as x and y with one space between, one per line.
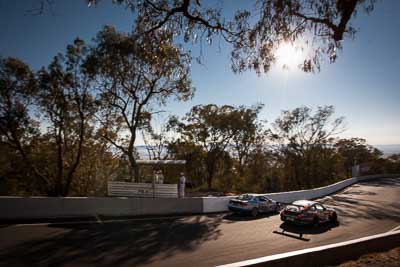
289 56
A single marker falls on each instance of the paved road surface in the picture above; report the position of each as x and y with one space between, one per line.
363 209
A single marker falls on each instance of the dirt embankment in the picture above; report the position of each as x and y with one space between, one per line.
390 258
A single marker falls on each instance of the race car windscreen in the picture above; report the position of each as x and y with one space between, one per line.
244 197
294 208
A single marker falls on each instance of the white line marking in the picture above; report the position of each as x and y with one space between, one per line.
98 219
272 258
29 224
395 229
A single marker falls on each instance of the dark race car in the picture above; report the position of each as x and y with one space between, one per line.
306 212
253 204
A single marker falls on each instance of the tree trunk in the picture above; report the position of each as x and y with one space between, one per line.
210 173
60 165
210 163
78 156
240 165
133 168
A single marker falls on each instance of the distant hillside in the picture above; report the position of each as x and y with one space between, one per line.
389 149
386 149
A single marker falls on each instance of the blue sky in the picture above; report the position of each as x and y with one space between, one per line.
363 84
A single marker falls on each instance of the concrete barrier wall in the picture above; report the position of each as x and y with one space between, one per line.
38 207
328 255
13 208
215 204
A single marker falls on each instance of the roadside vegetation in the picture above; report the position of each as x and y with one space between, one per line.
389 258
69 127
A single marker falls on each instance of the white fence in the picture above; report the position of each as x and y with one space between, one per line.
123 189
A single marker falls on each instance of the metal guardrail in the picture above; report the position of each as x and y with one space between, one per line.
125 189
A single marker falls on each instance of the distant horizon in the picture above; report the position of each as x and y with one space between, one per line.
385 145
386 149
367 143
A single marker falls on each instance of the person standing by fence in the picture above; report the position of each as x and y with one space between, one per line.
181 185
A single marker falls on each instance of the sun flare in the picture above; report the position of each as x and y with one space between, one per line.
289 56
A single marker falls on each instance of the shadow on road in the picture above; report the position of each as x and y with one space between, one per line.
348 207
359 192
356 204
233 217
297 231
112 244
382 182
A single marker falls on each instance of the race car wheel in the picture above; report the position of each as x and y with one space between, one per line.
254 212
316 222
333 217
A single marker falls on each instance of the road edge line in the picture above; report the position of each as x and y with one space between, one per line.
328 254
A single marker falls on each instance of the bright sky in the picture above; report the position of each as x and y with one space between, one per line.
363 85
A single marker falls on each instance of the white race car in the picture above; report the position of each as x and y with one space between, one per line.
253 204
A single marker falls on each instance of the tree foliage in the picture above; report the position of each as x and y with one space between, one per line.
17 84
66 106
73 125
255 32
305 139
60 127
301 130
135 75
355 151
210 127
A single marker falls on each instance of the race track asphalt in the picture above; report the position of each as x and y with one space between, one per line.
205 240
